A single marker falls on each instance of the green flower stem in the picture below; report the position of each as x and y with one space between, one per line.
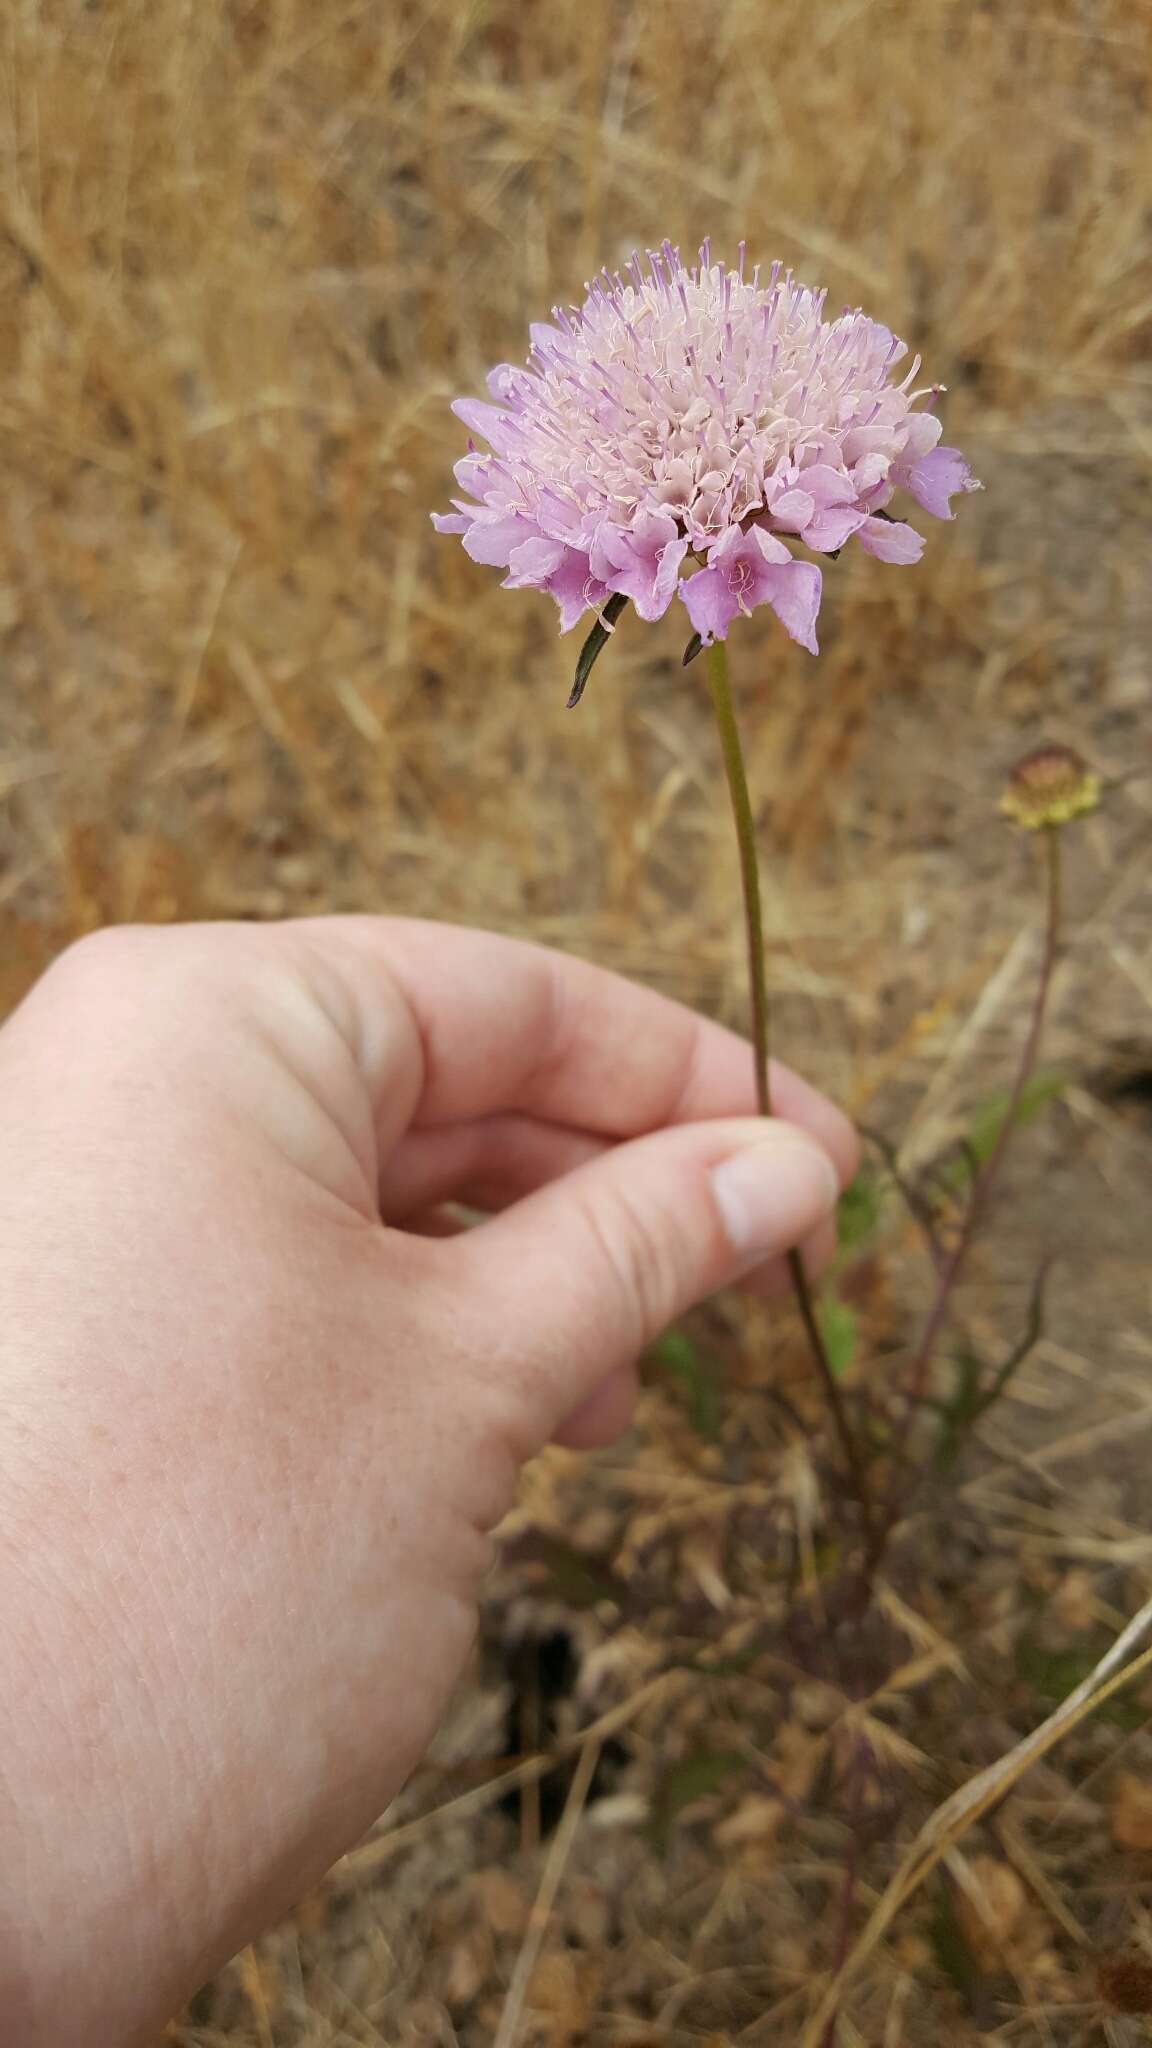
754 927
749 865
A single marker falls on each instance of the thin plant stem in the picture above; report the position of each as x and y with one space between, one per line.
985 1179
861 1756
745 824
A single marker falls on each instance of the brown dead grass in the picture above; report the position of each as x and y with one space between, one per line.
249 252
248 249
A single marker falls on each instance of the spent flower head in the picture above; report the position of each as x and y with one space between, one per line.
698 419
1048 787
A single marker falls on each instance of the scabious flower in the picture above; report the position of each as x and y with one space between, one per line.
699 421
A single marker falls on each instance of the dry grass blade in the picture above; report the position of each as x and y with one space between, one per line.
253 1982
1024 1862
541 1913
953 1819
373 1855
934 1121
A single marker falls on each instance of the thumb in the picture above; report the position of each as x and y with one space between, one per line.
575 1280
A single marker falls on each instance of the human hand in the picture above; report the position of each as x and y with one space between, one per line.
256 1426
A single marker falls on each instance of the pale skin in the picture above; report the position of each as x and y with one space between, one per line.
260 1411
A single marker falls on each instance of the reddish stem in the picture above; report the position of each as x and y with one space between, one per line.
981 1190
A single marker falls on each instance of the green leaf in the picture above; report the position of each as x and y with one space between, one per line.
698 1373
594 646
701 1772
858 1211
987 1121
838 1329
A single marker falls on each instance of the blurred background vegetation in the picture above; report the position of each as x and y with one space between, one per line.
249 249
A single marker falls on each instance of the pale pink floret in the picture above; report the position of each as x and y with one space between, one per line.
698 413
747 569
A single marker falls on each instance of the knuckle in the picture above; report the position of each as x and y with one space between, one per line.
100 959
128 981
158 961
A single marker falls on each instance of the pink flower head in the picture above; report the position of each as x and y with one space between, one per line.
704 413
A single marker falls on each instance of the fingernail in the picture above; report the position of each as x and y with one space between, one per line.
772 1195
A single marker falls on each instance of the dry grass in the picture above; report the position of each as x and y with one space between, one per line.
248 248
251 249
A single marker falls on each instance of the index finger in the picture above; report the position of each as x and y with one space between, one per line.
504 1025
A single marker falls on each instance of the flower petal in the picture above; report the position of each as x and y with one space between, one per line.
767 547
923 431
725 548
827 486
869 471
472 473
792 510
667 572
575 589
557 516
493 535
532 563
483 419
891 540
710 603
508 386
874 439
934 480
832 527
795 599
641 561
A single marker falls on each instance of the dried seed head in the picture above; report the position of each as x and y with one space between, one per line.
1050 786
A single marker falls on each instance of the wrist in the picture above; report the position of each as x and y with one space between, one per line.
90 1927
